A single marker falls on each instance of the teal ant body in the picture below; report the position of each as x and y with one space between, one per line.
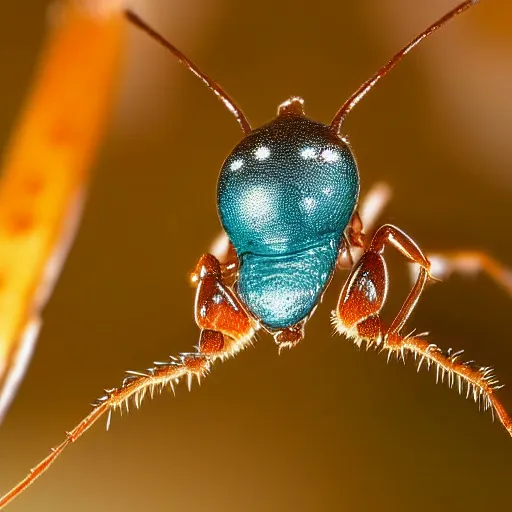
286 194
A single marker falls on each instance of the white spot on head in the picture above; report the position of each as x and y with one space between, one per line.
310 204
308 153
236 164
329 156
257 203
262 153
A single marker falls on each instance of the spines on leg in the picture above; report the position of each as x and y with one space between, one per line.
226 329
358 317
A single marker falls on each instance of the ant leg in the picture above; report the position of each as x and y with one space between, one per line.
366 288
345 259
374 202
469 263
366 215
225 326
225 330
225 253
358 317
354 233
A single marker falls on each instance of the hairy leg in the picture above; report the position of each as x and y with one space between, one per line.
225 330
358 317
364 219
469 263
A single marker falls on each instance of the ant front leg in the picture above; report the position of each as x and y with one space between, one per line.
364 218
225 330
353 238
365 291
470 263
358 317
225 326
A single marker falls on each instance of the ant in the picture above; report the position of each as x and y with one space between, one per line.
288 200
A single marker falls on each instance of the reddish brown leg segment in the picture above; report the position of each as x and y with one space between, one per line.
218 310
355 233
358 317
364 218
352 238
222 249
365 291
225 329
470 263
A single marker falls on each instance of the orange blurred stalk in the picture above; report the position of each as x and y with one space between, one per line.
46 170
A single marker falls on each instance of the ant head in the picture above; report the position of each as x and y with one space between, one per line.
288 184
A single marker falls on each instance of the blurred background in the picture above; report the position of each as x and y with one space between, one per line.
325 426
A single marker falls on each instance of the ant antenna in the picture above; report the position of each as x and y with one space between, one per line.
383 71
211 84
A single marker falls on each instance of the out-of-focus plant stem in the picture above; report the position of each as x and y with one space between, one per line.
46 169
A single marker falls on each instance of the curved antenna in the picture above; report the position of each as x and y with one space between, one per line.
383 71
211 84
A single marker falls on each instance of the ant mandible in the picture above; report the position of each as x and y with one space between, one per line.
287 198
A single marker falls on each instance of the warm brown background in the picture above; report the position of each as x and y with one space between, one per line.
323 427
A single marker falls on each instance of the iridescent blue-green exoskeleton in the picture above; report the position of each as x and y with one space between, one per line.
285 196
